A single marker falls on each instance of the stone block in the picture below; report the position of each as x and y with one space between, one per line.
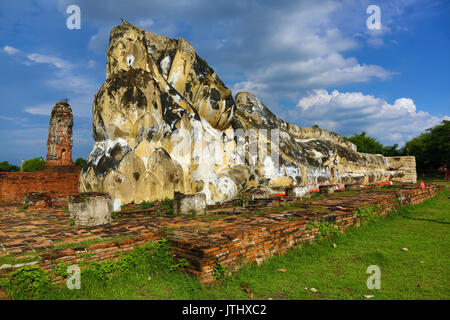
37 200
404 168
189 203
91 209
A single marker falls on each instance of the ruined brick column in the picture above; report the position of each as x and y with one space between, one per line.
59 143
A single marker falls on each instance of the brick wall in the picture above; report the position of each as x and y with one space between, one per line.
243 244
13 185
256 244
95 252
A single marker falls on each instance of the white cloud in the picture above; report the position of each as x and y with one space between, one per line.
30 58
330 70
5 118
254 87
68 79
286 46
33 137
146 23
352 112
92 64
57 62
268 44
71 83
306 48
81 107
99 42
43 109
10 50
68 82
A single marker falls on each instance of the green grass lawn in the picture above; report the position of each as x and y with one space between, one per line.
422 272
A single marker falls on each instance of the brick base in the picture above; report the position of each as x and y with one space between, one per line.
233 240
13 185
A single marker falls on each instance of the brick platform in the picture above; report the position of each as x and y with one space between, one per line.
13 185
233 236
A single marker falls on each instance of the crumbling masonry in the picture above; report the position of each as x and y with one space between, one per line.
59 143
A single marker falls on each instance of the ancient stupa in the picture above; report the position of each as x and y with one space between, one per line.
60 141
164 122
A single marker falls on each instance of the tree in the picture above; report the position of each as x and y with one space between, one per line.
431 148
393 151
6 167
368 144
33 165
80 162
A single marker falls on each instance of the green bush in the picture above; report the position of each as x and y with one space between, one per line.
33 165
30 279
80 162
324 227
146 205
61 270
244 201
220 271
366 211
157 254
6 167
167 205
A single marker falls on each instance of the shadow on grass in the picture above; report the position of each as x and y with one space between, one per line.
424 219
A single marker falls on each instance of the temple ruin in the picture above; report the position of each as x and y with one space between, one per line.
164 122
60 141
166 126
59 177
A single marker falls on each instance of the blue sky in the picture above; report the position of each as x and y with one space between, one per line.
311 62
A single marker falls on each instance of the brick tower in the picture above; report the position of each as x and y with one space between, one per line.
59 143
